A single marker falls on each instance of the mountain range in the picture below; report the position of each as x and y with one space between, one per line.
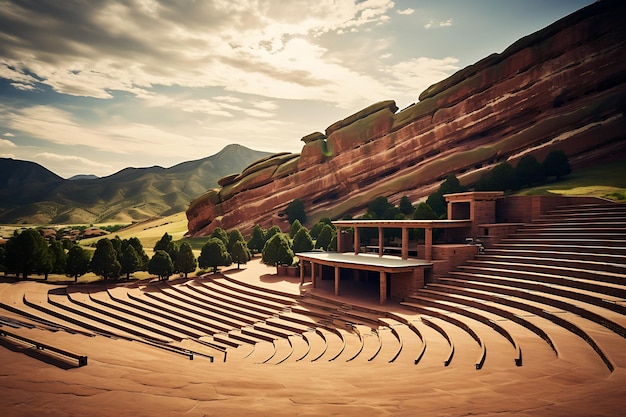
31 194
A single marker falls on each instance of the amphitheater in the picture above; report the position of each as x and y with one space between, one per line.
534 325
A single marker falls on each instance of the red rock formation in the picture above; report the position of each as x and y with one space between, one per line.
563 87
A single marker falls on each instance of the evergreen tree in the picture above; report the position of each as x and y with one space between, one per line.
257 240
59 257
556 164
302 241
78 260
104 262
46 263
325 237
136 244
295 211
378 206
185 261
163 243
161 265
316 229
500 178
271 232
214 254
25 252
423 212
221 234
277 251
405 206
529 172
295 226
130 261
234 236
437 201
240 253
3 267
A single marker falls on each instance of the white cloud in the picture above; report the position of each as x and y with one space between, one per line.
7 155
432 23
98 48
407 11
9 135
70 159
7 144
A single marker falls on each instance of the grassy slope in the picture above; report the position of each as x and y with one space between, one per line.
606 180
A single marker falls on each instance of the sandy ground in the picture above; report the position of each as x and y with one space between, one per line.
132 379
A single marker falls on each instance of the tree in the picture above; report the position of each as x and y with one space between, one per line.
437 201
240 253
58 256
234 236
25 252
500 178
163 243
185 261
324 238
556 164
405 206
46 263
221 234
295 211
277 251
214 254
528 171
316 229
104 262
161 265
295 226
423 212
136 244
378 207
3 267
257 240
302 241
78 260
271 232
130 261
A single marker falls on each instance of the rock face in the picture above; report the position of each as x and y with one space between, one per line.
563 87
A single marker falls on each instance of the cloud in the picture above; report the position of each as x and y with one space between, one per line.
407 11
433 24
94 49
72 159
7 144
7 155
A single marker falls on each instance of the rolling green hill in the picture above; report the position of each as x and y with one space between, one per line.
30 194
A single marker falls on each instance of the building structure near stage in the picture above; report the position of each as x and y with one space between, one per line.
475 220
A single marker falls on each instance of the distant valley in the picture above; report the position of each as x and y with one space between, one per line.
31 194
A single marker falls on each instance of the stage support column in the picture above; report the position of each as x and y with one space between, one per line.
405 243
357 241
337 280
301 272
428 247
339 240
313 274
381 241
383 287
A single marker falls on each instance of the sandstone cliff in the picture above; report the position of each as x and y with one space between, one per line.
563 87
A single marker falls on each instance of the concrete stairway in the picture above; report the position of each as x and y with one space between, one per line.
563 278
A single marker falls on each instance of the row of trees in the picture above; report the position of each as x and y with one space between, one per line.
528 172
29 253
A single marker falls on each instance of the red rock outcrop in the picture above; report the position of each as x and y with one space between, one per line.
563 87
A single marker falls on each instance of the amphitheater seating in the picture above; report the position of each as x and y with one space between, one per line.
555 289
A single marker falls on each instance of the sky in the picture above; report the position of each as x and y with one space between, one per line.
92 87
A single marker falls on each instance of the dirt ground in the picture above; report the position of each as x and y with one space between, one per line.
133 379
